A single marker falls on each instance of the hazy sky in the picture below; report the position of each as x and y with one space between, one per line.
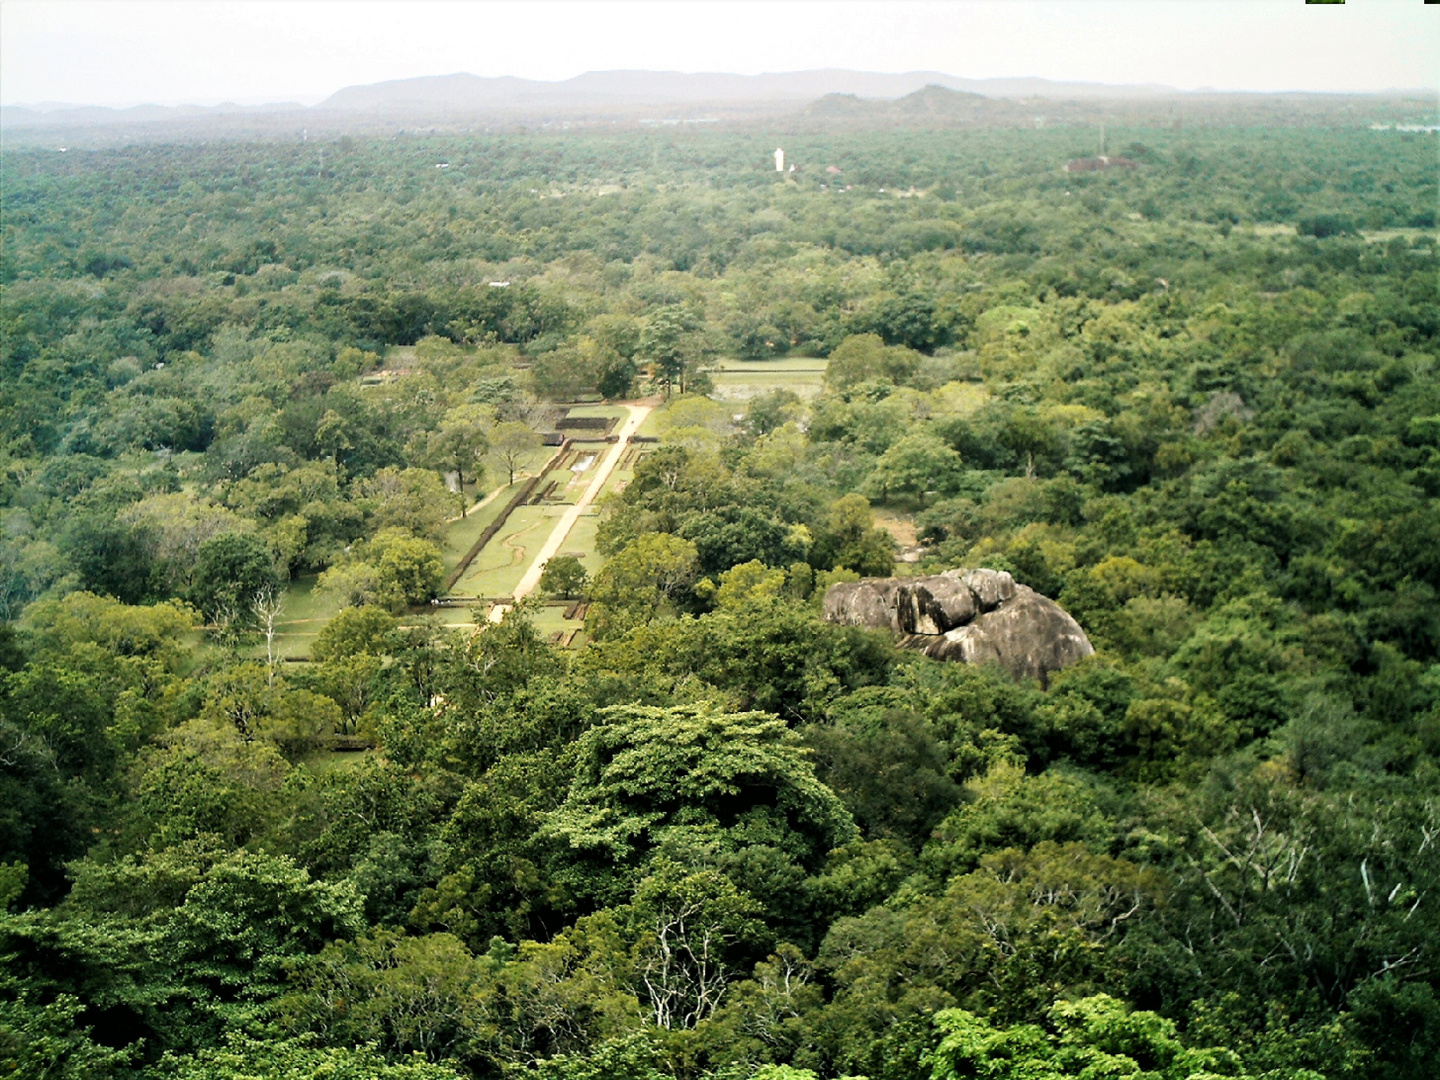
124 52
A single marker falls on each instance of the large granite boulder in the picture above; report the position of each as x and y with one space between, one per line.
973 616
870 602
934 605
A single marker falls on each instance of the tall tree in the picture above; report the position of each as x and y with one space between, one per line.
673 342
459 446
511 443
231 570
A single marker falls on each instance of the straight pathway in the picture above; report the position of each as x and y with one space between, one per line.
531 577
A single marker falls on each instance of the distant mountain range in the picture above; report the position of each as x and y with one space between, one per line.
827 98
56 114
470 93
592 92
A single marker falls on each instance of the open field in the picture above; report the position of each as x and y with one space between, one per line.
462 533
581 411
453 617
498 568
1385 235
1274 230
550 620
783 363
302 617
650 428
739 380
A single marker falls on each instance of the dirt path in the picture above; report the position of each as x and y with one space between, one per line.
547 551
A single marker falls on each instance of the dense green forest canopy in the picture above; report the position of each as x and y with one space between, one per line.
1194 400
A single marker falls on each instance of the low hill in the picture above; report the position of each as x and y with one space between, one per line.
930 106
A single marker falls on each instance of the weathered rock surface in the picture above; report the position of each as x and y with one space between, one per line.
862 603
971 616
934 605
1028 634
991 587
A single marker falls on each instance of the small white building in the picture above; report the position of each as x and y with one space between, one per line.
779 160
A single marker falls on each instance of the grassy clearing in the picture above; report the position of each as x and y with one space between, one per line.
616 481
1386 235
898 524
304 614
453 617
1274 230
738 380
784 363
617 411
460 535
741 386
498 568
550 620
649 426
581 543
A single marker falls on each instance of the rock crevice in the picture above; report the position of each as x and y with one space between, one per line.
971 616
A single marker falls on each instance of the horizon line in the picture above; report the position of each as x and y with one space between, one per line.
311 100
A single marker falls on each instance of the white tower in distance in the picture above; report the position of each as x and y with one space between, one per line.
779 160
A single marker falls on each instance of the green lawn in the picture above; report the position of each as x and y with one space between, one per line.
598 410
302 617
622 474
581 543
498 569
454 616
742 385
461 534
736 380
784 363
551 617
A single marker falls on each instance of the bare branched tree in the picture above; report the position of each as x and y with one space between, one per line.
266 605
